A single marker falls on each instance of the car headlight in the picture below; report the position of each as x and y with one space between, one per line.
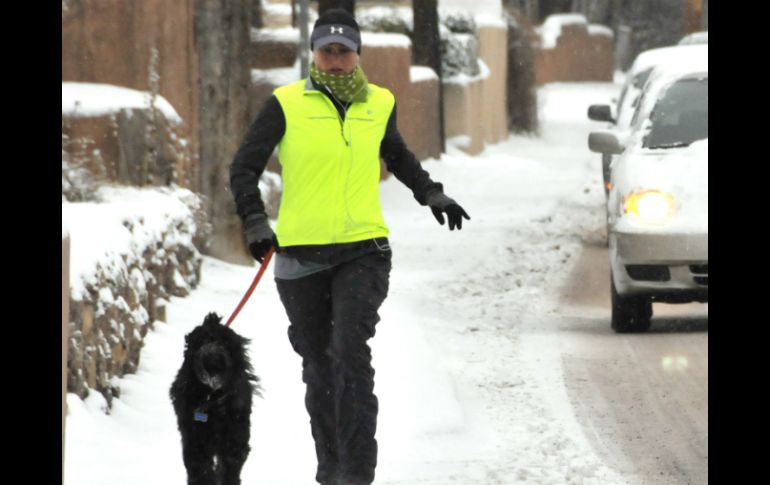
649 206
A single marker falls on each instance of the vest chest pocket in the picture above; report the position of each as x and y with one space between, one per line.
316 118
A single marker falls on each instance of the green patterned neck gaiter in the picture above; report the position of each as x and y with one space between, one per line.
345 87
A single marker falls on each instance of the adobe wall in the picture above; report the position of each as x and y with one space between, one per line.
578 56
493 46
143 44
476 108
389 66
418 118
463 114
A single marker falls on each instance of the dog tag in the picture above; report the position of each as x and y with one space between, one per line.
201 416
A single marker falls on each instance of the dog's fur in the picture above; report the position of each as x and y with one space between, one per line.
212 396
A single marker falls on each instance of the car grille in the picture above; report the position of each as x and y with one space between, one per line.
700 273
648 272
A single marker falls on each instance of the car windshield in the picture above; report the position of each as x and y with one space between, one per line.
681 115
642 77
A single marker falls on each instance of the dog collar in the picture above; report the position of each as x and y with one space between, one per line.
200 416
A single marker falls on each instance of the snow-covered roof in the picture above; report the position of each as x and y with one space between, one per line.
695 38
91 100
668 55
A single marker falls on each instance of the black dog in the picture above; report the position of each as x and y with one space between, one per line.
212 396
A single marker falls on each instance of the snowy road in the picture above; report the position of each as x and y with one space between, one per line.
495 361
642 400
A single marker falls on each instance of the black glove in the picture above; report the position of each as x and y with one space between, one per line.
259 235
440 203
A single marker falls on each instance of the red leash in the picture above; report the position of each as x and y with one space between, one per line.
245 298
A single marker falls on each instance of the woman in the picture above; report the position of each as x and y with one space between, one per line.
333 259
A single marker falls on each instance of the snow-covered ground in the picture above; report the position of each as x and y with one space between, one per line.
470 386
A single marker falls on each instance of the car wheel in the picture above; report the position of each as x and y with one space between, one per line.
630 314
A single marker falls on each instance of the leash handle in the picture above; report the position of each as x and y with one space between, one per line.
245 298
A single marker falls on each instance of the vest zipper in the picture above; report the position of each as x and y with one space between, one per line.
342 120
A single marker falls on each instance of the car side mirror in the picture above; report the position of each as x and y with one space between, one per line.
605 142
600 112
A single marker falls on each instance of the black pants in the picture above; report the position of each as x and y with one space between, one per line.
333 313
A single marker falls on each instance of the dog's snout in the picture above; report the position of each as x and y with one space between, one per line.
212 365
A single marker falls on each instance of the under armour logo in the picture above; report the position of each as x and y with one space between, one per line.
337 30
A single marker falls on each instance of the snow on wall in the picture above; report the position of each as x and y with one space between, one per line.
492 8
278 76
93 100
127 222
596 29
385 40
464 79
487 20
422 73
128 252
385 19
283 34
551 28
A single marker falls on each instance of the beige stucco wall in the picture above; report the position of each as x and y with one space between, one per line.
463 114
418 119
493 42
476 108
388 66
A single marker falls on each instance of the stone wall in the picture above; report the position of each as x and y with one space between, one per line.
131 146
122 299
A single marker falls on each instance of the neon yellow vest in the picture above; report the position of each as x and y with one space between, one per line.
330 171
